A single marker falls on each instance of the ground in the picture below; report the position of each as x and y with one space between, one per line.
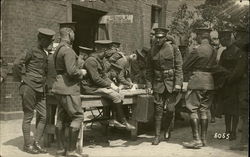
120 145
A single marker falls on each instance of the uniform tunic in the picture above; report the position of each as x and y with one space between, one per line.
164 71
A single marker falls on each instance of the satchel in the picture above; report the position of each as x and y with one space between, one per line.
201 81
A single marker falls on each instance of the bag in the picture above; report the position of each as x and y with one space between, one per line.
144 108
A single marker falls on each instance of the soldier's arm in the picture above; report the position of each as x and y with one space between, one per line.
71 65
178 67
19 65
240 68
92 69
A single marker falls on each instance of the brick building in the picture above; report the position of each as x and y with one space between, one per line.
126 21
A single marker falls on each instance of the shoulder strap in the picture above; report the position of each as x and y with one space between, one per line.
56 53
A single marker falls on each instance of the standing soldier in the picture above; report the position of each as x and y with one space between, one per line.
164 76
67 91
200 84
242 41
32 88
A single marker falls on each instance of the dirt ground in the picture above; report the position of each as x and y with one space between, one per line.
118 143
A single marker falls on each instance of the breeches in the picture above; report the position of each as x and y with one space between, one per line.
32 100
199 102
69 111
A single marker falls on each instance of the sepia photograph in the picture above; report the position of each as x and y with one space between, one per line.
124 78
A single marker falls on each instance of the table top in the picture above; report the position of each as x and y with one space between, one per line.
126 93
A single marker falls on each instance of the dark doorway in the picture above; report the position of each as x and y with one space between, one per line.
86 27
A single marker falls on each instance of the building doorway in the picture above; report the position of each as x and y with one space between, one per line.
86 27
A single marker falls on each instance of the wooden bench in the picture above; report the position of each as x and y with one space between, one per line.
90 102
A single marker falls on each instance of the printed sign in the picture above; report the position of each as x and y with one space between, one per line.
117 19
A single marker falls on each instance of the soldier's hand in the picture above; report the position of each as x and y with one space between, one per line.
149 91
133 56
84 72
114 87
177 88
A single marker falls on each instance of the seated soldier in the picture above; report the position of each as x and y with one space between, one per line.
98 83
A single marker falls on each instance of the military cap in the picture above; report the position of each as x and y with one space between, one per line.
71 25
118 67
46 32
104 43
85 49
161 32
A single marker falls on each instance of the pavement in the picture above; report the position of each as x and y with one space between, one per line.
118 143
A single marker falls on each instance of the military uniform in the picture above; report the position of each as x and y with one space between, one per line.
32 88
200 87
67 92
164 72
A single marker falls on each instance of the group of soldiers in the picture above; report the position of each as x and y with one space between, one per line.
105 70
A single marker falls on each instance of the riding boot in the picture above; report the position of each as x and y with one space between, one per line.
157 139
196 142
204 126
71 150
169 121
61 151
235 120
121 116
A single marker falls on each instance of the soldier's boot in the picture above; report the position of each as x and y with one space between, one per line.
157 138
71 150
61 151
169 122
235 121
204 126
228 122
121 116
196 143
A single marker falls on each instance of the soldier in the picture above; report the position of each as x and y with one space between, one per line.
67 92
200 85
32 88
242 41
98 83
164 76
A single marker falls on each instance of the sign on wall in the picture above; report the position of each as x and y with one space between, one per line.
117 19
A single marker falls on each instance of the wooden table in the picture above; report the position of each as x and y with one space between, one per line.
89 102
